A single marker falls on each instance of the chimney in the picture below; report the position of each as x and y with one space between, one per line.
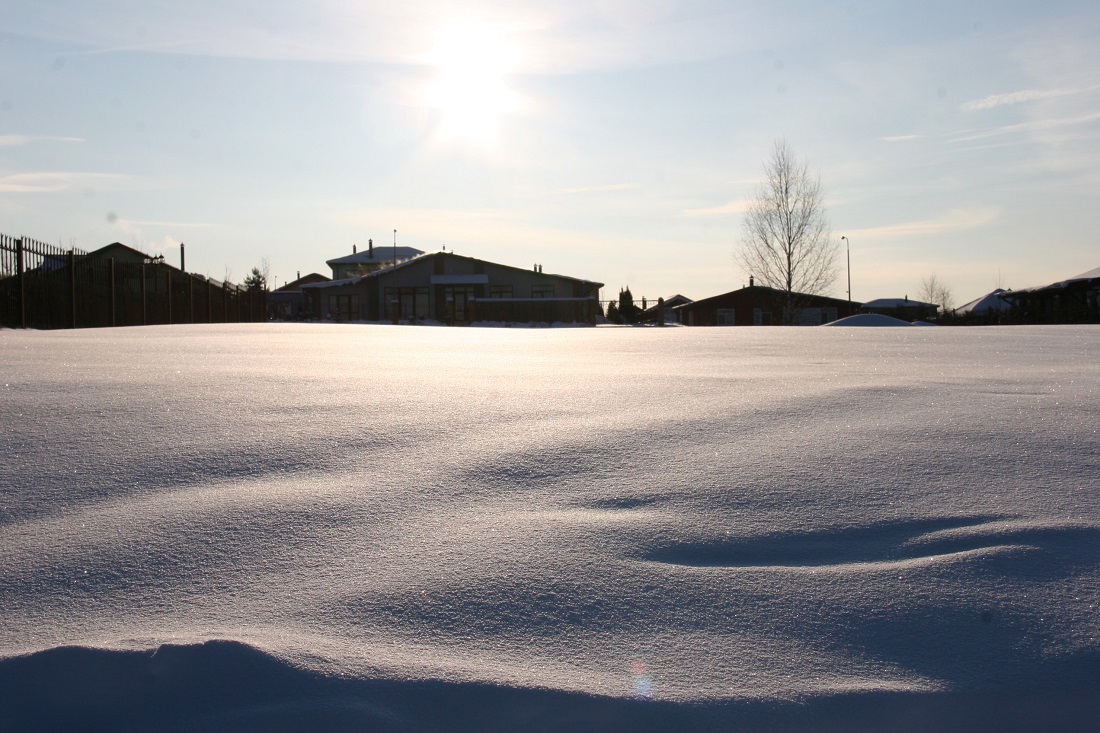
299 275
370 248
183 264
750 281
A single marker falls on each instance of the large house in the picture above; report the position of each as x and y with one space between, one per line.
450 288
758 305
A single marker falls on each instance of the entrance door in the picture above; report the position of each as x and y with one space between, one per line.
458 298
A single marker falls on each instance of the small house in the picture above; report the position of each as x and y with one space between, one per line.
758 305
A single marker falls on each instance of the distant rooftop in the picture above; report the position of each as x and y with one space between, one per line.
377 255
898 303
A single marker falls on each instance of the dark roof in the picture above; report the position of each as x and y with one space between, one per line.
311 278
762 290
886 303
115 249
408 263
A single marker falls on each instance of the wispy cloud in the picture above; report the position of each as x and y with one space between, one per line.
597 189
11 140
901 138
1033 126
1022 96
55 181
739 206
953 221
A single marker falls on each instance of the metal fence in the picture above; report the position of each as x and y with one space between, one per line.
43 286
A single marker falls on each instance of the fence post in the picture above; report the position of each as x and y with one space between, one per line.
144 313
72 287
111 268
22 283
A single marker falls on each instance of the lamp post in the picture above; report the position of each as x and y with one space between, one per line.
848 255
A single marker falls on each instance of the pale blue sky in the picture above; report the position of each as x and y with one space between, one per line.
605 139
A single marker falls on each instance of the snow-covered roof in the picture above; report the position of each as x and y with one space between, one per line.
332 283
376 255
988 303
1092 274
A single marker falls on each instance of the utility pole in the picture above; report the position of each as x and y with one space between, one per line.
848 255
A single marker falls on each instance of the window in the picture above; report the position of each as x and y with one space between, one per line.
725 317
412 302
343 307
500 291
761 317
542 291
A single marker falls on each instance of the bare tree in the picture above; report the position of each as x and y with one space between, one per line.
786 243
934 290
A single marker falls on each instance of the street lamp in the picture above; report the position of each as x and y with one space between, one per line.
848 254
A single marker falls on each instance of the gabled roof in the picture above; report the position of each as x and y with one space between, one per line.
115 248
377 255
422 257
989 303
674 301
898 303
761 290
313 277
126 253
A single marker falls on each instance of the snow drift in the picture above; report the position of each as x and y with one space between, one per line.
346 527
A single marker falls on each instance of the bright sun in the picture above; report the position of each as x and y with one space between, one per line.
473 61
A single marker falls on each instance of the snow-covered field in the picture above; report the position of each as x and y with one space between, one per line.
372 528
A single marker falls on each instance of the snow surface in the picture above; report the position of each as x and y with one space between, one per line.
330 527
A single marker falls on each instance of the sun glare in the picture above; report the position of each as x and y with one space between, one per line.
469 91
